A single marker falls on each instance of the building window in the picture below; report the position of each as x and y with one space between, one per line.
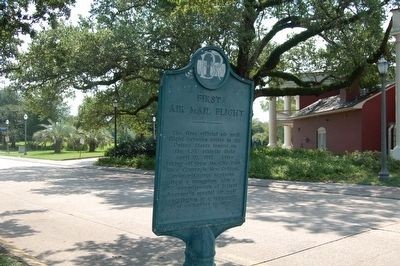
321 138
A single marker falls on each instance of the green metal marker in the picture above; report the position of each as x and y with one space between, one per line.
203 140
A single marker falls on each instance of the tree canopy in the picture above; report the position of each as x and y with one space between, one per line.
124 45
19 17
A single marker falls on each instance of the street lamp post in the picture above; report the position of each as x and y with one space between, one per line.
115 105
383 68
154 127
7 135
25 120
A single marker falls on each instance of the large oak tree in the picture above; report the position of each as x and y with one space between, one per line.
124 46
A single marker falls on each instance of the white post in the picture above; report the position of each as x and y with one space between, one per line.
396 32
297 99
272 122
287 129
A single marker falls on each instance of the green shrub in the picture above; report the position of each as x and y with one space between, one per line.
140 162
297 165
146 163
133 147
9 260
320 166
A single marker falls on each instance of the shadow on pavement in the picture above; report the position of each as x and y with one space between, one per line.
132 251
296 210
12 228
121 190
319 212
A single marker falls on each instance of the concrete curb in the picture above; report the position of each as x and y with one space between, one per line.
60 163
20 254
342 189
331 188
123 169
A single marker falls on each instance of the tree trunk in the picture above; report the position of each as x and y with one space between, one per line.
58 146
92 146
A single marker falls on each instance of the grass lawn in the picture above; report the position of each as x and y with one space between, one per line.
50 155
6 260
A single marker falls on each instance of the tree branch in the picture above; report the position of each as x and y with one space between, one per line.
270 3
289 22
317 88
149 102
246 36
383 46
88 84
294 78
292 91
275 56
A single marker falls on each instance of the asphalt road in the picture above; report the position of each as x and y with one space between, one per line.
72 213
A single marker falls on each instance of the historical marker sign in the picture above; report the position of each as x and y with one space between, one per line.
202 145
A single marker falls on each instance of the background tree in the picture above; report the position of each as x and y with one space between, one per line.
19 17
259 132
55 132
12 108
90 116
98 138
280 106
126 44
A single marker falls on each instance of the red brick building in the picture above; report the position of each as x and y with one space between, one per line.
343 121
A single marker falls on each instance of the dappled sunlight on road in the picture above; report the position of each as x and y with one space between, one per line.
318 213
84 215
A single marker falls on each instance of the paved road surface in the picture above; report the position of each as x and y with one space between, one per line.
72 213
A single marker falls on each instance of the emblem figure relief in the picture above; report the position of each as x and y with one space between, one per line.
211 65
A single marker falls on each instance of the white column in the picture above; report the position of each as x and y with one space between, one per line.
287 129
396 32
272 122
297 99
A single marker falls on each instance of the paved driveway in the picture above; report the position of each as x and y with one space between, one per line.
72 213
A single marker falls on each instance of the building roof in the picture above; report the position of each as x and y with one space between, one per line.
334 104
324 105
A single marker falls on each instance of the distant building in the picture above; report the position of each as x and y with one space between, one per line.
343 120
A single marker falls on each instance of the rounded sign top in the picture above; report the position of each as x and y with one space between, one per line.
211 67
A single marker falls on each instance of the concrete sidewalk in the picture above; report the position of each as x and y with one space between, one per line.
84 215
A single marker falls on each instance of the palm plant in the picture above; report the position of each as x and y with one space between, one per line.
56 132
99 137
